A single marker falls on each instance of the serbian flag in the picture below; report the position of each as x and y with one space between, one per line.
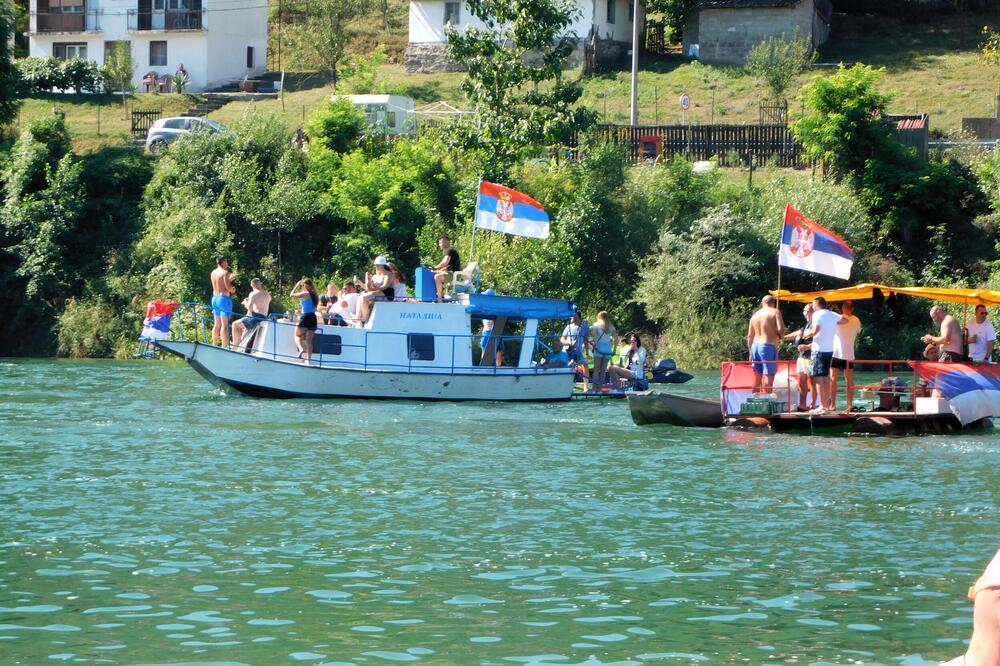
502 209
809 247
972 392
156 325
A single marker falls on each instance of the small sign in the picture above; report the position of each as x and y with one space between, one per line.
685 102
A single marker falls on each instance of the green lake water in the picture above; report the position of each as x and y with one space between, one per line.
147 518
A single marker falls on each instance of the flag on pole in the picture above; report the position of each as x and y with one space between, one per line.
502 209
809 247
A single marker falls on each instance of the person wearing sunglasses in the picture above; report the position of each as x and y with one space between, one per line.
982 336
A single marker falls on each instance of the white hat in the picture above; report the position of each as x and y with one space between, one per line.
381 261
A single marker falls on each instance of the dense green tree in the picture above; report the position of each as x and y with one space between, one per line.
516 82
10 78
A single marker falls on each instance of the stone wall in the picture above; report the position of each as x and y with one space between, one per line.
429 57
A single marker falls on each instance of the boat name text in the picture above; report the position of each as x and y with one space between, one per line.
420 315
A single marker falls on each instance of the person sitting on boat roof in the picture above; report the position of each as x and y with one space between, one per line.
763 335
444 269
984 647
307 325
327 301
399 286
634 361
378 287
950 340
558 358
803 362
574 338
258 305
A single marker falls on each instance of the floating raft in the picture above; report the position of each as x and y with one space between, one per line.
875 423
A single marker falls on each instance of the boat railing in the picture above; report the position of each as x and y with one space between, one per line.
889 394
458 343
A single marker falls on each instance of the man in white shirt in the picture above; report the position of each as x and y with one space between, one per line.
848 329
823 331
982 337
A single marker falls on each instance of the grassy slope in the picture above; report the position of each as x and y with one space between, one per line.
932 65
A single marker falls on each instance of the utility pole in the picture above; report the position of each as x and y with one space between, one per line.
634 116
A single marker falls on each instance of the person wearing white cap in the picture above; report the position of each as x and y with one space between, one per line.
984 648
378 287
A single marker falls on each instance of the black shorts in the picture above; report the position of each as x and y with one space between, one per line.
821 364
308 321
841 364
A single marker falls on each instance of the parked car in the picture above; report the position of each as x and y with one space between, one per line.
165 130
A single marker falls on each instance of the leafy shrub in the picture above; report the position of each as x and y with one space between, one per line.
777 61
42 74
81 75
91 328
337 126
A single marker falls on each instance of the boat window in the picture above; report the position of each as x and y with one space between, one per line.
327 344
421 346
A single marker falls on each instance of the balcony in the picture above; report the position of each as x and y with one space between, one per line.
165 20
65 22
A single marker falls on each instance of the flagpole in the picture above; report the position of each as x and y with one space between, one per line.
475 216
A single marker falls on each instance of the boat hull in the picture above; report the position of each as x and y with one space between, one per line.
650 407
263 377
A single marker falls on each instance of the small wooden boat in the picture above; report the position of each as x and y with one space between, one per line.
654 407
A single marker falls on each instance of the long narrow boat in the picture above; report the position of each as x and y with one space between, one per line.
407 350
650 407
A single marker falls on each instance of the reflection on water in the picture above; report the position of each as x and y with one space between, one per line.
146 518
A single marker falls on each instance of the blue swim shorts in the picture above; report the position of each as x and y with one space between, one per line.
760 353
222 306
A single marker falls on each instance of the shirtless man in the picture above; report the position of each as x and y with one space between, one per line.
448 266
984 648
950 340
763 335
258 305
222 304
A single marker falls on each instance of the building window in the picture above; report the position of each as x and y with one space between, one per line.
157 54
250 57
64 51
329 345
452 13
611 11
421 346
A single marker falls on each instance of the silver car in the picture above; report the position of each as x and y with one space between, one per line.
165 130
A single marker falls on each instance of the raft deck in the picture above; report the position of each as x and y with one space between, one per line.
881 423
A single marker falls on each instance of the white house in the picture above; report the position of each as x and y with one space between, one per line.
217 41
611 20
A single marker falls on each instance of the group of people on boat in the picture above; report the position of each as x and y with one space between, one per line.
825 347
601 340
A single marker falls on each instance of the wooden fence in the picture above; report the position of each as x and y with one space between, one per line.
143 119
656 37
732 145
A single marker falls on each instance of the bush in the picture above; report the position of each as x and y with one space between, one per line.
42 74
337 126
81 75
91 328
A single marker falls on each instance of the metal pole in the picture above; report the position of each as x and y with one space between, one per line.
634 117
475 215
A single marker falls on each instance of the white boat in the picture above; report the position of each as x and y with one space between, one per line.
407 350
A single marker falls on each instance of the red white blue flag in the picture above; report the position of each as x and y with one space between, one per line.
972 392
156 325
809 247
508 211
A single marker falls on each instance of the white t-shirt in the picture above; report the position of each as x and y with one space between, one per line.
350 311
986 333
843 341
399 291
826 321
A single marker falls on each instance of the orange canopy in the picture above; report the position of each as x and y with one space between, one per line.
861 291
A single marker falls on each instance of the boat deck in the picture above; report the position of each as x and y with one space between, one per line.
858 422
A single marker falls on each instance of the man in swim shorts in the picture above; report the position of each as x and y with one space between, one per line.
222 303
950 340
763 335
258 305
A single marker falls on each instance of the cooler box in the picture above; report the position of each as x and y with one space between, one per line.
423 285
